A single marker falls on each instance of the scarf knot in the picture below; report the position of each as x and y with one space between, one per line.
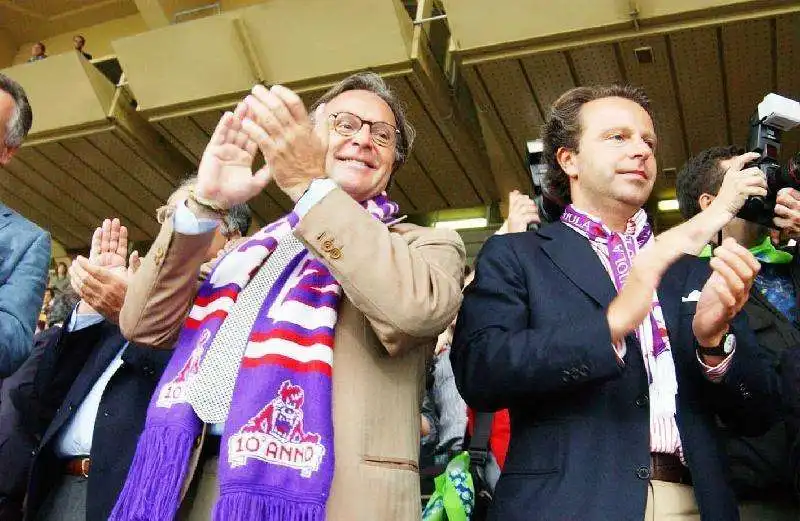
618 251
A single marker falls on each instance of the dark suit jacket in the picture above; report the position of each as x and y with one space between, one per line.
18 435
24 260
532 336
75 363
761 468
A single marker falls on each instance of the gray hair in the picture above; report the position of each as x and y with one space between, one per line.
238 219
373 83
22 117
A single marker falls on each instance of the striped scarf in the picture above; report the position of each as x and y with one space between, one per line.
617 251
277 456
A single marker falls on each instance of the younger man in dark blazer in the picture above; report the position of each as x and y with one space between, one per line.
613 369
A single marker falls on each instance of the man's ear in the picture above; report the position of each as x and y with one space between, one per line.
705 200
568 161
6 153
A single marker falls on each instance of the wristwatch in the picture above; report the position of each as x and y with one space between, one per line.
723 349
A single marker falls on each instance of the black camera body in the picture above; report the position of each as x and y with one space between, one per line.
774 115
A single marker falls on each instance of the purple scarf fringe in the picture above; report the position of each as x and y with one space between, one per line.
250 506
158 471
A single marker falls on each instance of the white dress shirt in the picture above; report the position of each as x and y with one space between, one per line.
75 438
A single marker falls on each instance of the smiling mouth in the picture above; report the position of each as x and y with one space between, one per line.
357 162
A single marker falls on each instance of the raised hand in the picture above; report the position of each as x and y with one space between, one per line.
225 175
109 245
293 146
522 211
739 184
725 292
787 212
101 289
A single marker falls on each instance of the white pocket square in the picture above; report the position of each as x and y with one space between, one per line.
694 296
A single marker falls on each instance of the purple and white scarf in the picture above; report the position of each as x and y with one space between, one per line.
277 456
617 251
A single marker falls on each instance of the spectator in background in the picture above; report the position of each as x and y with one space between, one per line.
79 41
522 212
60 282
37 52
62 305
26 247
85 452
760 467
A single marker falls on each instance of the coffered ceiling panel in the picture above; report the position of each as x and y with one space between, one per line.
698 70
596 65
703 82
748 72
550 76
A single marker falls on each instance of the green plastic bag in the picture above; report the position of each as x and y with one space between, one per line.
454 497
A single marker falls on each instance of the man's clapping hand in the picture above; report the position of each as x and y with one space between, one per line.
102 280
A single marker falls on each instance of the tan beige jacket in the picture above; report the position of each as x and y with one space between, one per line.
402 287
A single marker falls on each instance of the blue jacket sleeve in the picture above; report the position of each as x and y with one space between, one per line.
20 301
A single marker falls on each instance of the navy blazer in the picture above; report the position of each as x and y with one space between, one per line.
24 261
533 336
66 375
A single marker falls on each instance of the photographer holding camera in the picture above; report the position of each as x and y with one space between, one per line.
761 467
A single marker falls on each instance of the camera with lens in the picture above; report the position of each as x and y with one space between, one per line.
549 207
775 115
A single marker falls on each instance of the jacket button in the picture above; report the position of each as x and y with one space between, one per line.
641 401
565 376
327 245
643 473
335 254
584 370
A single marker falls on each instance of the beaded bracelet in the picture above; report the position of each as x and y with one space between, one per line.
207 204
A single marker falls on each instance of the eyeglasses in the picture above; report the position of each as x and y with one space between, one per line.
382 134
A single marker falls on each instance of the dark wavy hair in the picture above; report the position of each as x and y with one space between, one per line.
702 174
562 129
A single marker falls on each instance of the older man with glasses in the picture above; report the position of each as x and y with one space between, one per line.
253 386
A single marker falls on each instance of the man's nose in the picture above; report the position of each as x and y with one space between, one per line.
362 137
640 148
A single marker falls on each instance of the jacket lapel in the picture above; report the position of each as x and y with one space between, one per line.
670 297
97 362
574 256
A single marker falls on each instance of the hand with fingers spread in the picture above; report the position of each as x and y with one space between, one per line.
109 245
293 146
738 184
725 292
225 175
522 211
102 280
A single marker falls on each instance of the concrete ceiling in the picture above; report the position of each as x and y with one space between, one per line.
32 20
91 154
